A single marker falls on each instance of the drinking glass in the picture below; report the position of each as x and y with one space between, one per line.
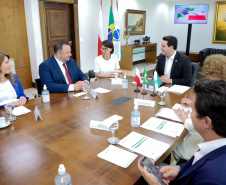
113 128
9 108
162 94
115 75
86 89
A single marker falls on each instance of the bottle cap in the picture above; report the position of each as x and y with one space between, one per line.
44 87
61 169
135 106
124 75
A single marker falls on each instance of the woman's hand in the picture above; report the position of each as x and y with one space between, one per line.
22 100
186 102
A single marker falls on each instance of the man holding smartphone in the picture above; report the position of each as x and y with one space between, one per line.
208 165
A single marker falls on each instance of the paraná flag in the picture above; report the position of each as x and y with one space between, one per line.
137 77
197 15
156 82
116 37
111 25
100 32
145 77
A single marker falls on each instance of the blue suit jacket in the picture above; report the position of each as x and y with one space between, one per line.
209 170
181 71
18 88
51 75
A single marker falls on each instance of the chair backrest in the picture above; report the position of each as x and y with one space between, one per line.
195 66
38 85
91 74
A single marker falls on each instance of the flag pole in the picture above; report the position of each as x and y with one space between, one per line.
154 93
101 3
143 92
117 4
111 3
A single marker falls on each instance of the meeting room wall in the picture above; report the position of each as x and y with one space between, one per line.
159 22
201 34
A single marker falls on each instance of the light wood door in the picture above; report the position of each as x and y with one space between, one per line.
13 38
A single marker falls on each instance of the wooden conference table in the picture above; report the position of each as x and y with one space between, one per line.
30 151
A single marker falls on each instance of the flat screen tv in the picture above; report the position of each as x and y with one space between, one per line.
191 14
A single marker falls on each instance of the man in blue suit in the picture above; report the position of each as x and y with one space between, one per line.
173 66
60 73
208 165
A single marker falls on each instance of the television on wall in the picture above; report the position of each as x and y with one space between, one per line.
191 14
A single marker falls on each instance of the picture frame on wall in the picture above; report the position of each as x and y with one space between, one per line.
135 22
219 31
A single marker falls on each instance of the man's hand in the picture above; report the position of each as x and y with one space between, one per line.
165 78
149 177
79 85
186 102
22 100
170 172
180 111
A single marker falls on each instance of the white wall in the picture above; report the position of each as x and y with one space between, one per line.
201 34
159 22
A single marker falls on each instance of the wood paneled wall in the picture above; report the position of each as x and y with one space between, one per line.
13 38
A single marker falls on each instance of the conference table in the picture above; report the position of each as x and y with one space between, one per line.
31 150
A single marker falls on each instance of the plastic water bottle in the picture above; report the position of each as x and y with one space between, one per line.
135 117
125 82
62 178
45 95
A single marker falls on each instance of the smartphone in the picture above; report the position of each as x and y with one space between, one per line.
152 168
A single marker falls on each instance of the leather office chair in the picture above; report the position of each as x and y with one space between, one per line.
195 66
91 74
39 87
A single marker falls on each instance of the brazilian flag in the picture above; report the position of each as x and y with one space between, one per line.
111 25
145 77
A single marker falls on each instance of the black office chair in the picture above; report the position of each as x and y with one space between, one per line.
195 67
91 74
39 87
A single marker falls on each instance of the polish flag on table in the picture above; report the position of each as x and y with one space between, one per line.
100 32
197 15
137 77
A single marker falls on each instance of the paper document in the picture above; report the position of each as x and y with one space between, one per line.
164 127
162 89
8 101
20 110
79 94
144 145
168 114
98 125
178 89
116 81
117 156
177 106
101 90
149 103
109 121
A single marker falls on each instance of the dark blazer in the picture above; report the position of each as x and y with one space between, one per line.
51 75
210 169
181 72
18 88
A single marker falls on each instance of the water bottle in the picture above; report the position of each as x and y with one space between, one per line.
125 82
62 178
135 117
45 95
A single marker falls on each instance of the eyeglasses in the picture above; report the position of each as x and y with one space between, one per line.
103 49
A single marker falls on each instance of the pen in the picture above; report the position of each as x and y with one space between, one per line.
185 96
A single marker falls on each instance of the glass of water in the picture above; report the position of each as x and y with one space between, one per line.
9 108
86 89
162 94
115 75
113 128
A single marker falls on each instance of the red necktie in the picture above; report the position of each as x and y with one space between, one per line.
68 75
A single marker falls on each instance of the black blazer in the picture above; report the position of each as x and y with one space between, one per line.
181 72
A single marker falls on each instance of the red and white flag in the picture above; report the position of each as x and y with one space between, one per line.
137 77
100 32
197 15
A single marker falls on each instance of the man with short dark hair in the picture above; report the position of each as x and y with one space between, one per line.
60 73
208 165
173 66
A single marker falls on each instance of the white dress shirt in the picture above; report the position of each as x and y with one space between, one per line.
168 65
71 86
208 147
7 91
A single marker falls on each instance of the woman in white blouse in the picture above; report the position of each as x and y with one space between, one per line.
107 63
10 86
